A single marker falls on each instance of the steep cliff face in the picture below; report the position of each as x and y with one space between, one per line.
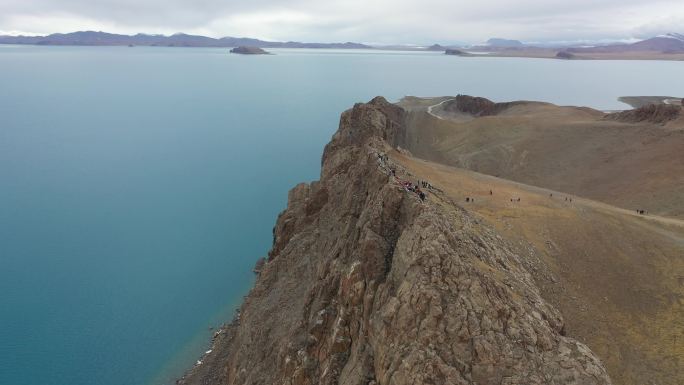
365 284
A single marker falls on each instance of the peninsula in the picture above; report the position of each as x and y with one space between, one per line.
456 240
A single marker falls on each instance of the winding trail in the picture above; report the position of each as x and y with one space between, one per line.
429 109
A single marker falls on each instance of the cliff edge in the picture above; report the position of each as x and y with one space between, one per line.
367 284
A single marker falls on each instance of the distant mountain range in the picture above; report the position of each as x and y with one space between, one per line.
668 43
92 38
499 42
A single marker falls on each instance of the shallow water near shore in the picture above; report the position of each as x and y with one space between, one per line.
139 185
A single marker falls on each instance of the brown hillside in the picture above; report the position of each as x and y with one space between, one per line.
617 277
636 164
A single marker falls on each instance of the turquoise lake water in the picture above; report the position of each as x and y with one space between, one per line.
138 186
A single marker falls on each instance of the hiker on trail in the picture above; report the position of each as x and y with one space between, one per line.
491 192
551 195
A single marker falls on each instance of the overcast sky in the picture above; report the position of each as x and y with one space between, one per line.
369 21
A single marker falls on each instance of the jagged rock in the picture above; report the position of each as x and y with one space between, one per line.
367 285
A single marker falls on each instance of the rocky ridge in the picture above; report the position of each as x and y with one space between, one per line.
367 285
476 106
652 113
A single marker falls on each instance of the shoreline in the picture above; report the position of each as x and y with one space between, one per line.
201 345
551 53
539 54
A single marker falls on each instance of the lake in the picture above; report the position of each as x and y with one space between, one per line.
138 186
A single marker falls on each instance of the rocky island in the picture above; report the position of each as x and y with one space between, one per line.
565 55
455 52
245 50
398 268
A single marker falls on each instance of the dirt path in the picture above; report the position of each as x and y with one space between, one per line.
478 186
430 109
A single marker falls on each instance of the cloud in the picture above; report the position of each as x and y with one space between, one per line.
660 25
383 21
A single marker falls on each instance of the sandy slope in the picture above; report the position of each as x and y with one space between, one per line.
569 149
617 277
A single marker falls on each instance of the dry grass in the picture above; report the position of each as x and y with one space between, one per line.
617 277
569 149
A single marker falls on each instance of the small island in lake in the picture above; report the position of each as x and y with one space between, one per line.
456 52
565 55
246 50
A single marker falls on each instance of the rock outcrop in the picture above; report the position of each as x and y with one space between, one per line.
476 106
653 113
366 285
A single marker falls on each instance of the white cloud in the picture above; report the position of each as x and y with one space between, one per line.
386 21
